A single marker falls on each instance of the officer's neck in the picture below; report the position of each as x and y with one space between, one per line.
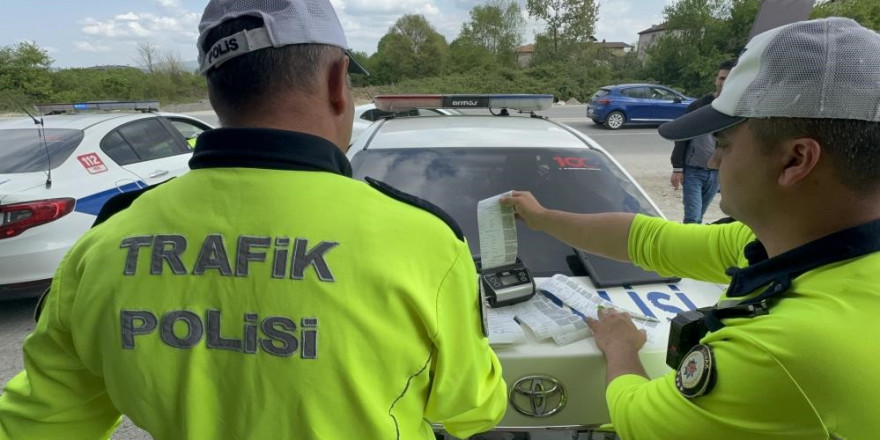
794 224
300 116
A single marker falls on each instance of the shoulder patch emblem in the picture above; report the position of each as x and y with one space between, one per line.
696 374
410 199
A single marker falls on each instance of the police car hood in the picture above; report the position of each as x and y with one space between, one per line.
11 184
563 386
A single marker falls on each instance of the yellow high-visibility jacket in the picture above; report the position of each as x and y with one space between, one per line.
263 295
808 370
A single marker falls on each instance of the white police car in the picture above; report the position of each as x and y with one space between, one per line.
56 176
456 161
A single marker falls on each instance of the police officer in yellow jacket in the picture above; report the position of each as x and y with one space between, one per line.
788 352
264 294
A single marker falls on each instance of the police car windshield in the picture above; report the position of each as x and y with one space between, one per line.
22 150
456 179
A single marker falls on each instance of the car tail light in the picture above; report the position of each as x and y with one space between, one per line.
604 101
19 217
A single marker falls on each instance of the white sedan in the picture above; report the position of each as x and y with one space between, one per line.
55 178
454 162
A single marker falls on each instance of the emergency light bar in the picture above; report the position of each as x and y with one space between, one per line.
143 106
522 102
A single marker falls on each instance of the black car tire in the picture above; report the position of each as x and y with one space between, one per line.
615 120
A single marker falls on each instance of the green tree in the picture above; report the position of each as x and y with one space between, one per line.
568 22
465 55
866 12
412 48
496 27
702 34
24 72
395 59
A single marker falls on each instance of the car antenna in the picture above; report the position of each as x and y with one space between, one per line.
42 134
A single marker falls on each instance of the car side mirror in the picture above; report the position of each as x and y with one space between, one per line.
677 100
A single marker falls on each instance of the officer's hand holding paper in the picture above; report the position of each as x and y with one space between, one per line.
558 312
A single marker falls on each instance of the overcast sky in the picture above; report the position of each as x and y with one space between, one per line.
84 33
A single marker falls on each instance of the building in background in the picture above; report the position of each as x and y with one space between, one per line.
524 54
648 38
615 47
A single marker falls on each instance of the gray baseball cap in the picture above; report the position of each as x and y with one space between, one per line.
286 22
828 68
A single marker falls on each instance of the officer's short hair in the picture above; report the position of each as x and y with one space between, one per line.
852 146
246 81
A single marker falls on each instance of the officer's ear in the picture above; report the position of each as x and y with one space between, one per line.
338 86
799 158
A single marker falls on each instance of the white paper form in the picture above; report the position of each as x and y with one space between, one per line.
580 298
497 229
548 320
502 327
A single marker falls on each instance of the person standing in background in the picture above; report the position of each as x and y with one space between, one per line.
690 160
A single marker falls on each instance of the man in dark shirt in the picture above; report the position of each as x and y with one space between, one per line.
690 160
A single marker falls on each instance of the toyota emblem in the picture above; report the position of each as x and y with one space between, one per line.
537 396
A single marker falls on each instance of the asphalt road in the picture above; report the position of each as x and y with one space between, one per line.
639 149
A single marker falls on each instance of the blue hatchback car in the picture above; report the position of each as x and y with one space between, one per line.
614 106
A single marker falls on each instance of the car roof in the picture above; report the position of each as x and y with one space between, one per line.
621 86
77 121
475 131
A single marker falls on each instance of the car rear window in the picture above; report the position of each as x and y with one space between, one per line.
455 179
22 149
601 93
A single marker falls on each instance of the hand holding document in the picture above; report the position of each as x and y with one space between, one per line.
559 312
497 229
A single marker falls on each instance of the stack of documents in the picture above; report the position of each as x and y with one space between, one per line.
558 313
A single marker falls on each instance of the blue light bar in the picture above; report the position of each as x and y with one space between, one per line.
98 106
521 102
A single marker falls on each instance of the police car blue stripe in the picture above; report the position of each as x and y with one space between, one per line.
92 204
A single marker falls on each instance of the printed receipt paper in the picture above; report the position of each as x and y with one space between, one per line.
498 247
497 229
